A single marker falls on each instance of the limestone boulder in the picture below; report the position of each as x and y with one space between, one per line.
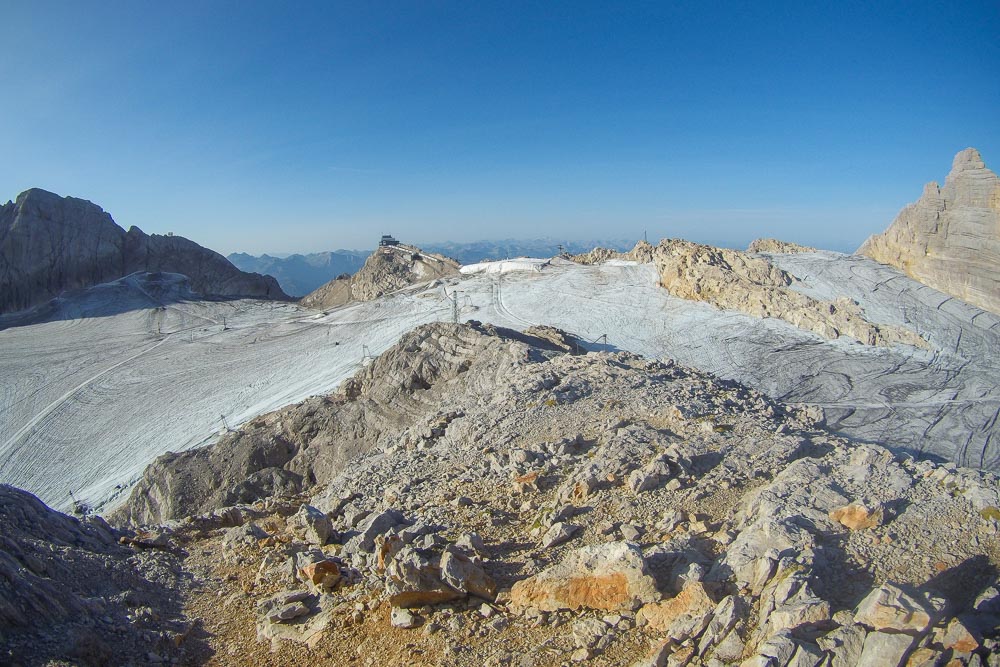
890 608
611 576
683 616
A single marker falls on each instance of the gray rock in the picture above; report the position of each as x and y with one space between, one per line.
884 649
559 533
949 239
459 572
372 527
413 579
844 645
313 524
50 244
403 618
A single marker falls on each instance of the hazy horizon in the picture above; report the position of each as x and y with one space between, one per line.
246 127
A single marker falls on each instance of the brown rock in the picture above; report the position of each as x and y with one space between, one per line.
685 615
959 638
526 483
923 657
386 270
889 608
323 574
857 516
609 576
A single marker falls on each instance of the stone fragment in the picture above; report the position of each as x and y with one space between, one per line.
587 632
729 613
459 572
988 602
884 649
471 542
245 535
683 616
959 638
658 655
294 615
312 524
642 480
403 618
288 612
923 657
844 645
629 532
778 649
321 575
611 576
806 655
889 608
413 579
559 533
372 527
857 516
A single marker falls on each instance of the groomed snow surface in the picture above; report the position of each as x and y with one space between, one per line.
119 375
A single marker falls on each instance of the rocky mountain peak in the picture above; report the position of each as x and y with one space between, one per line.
387 269
966 160
50 244
950 238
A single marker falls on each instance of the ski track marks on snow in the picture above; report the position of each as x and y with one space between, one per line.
88 402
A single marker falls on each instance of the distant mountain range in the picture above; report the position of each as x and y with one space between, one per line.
299 275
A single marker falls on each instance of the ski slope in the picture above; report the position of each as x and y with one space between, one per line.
119 376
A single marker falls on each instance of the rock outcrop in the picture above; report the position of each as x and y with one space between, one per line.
69 590
49 244
750 283
950 238
777 246
388 269
708 525
287 451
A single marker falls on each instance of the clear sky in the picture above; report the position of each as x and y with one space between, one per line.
300 127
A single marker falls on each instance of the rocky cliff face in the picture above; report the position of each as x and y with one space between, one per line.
950 238
386 270
49 244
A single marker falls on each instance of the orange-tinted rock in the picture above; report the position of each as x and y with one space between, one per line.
608 576
889 608
857 517
682 616
958 637
526 483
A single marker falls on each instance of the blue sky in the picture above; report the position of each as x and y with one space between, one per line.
300 127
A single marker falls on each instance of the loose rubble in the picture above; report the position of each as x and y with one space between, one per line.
517 504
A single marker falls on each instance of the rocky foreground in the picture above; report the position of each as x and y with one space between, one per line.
514 503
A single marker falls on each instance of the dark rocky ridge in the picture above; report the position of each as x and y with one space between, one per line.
49 244
69 591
